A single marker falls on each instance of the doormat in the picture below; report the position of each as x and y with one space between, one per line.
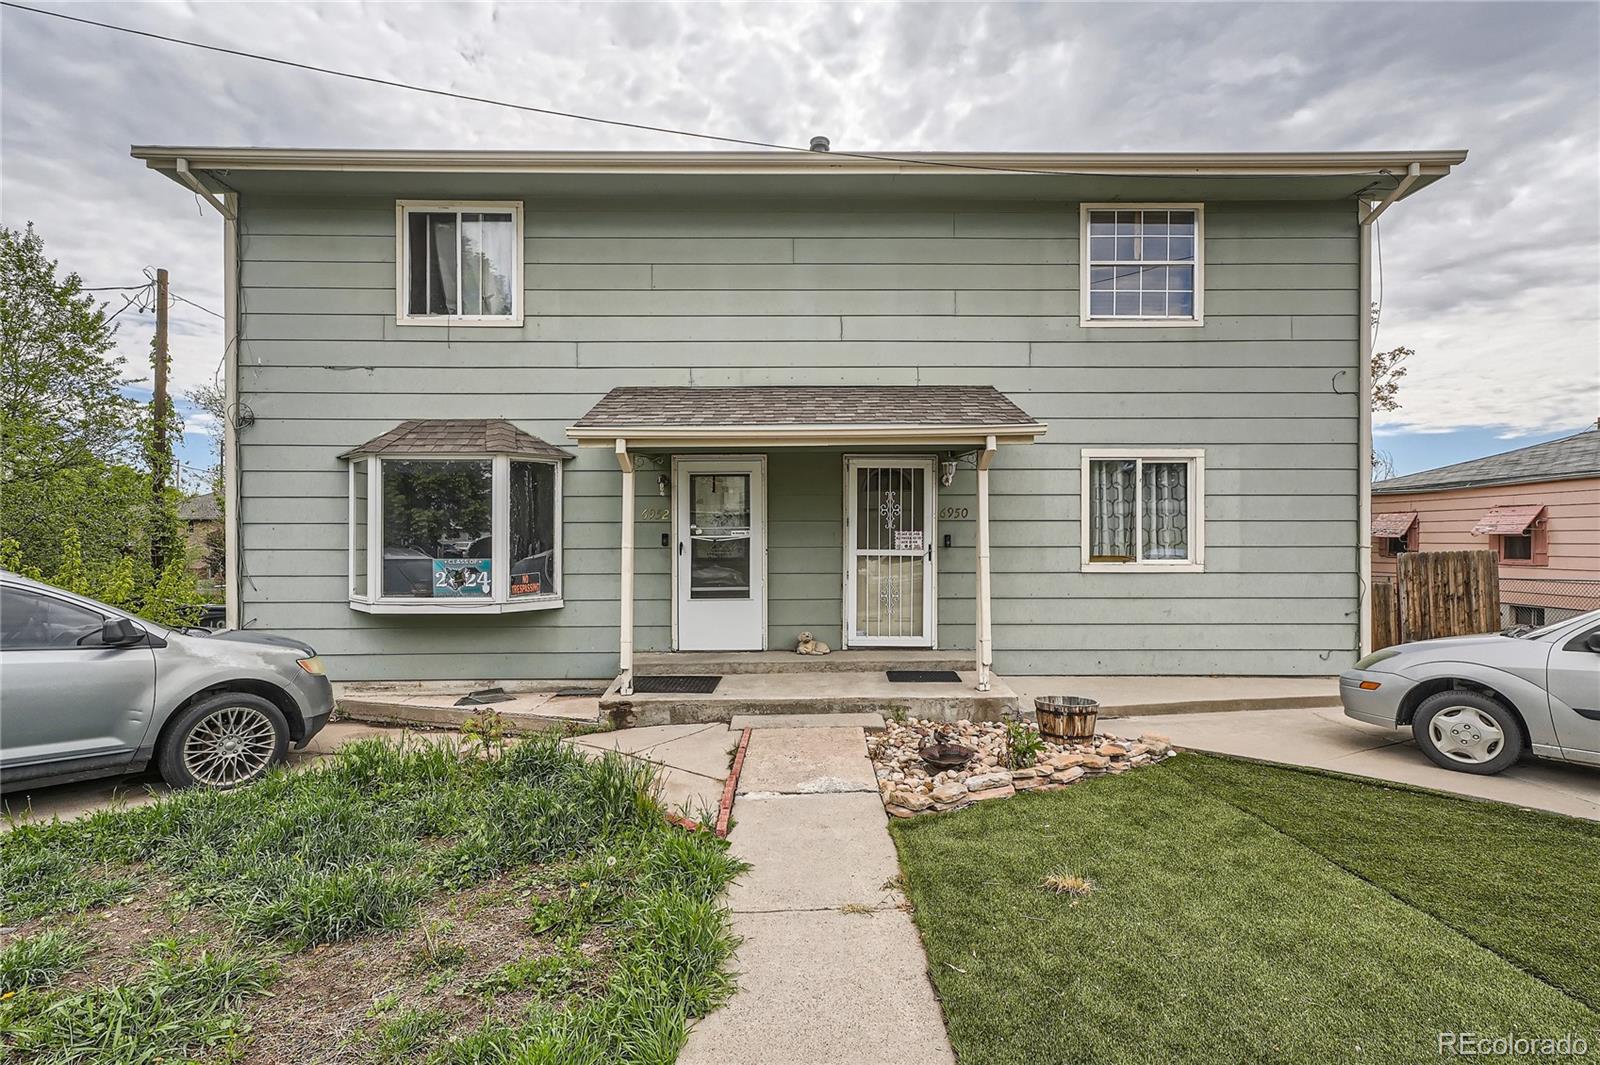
923 676
686 685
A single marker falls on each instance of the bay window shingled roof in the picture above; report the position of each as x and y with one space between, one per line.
831 406
458 436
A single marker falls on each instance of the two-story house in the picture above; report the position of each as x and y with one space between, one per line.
516 415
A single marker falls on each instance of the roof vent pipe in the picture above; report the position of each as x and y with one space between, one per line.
819 144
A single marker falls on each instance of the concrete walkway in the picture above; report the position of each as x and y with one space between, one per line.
831 971
1326 739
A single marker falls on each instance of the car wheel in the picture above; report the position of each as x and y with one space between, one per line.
223 741
1468 732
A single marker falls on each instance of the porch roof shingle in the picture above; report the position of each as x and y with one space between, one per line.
458 436
821 406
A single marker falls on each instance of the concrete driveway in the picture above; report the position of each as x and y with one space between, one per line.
1326 739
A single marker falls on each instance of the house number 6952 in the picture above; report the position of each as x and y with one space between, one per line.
953 512
655 514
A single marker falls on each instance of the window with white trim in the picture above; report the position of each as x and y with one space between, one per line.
1143 510
1142 264
459 263
441 534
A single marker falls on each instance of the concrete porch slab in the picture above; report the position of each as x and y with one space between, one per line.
433 706
870 722
1135 696
656 663
806 761
812 693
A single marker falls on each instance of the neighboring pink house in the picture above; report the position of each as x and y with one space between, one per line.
1538 507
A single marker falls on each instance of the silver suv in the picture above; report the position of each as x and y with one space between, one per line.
87 690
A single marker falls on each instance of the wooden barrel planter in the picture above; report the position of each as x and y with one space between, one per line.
1066 718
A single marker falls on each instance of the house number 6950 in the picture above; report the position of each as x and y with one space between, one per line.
953 512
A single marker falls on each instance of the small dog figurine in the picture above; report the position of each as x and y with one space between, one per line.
810 645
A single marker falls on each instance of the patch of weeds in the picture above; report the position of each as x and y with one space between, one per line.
549 976
897 714
1023 745
851 908
40 959
40 878
307 906
435 953
401 1037
184 1006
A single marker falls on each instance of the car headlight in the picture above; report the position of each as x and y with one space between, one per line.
1375 657
312 665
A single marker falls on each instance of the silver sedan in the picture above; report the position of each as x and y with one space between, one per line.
1479 703
87 690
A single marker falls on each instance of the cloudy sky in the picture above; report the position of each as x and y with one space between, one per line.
1492 276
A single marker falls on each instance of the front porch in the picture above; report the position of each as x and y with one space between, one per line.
767 683
856 515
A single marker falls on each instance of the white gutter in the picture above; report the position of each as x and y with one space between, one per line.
1431 163
800 435
1365 216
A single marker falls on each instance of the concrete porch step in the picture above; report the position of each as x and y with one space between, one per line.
727 663
823 693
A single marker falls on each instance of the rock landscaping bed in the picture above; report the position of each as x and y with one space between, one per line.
1011 758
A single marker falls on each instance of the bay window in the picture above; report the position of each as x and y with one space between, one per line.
439 532
1143 510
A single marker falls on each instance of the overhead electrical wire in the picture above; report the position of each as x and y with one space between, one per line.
530 108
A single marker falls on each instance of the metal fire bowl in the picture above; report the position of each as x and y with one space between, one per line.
947 755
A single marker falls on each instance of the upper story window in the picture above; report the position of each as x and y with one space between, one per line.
1142 264
1143 509
459 263
1521 533
454 516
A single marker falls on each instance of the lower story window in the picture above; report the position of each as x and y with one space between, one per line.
454 533
1142 510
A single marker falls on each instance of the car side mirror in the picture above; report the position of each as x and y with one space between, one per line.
120 632
1593 642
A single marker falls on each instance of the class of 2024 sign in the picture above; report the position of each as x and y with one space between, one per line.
459 577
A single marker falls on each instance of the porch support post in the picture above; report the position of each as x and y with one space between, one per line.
625 595
985 645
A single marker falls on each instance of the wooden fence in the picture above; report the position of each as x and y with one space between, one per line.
1437 593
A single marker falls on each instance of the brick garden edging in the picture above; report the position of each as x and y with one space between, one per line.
909 787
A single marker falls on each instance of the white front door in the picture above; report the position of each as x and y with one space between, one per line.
889 564
720 554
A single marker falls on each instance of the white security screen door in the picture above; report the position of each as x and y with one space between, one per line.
889 568
720 554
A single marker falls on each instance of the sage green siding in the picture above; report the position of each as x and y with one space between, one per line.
745 293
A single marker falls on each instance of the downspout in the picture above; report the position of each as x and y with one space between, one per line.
227 205
1367 214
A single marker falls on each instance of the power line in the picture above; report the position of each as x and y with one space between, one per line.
616 122
180 299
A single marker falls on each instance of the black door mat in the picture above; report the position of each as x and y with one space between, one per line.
686 685
923 676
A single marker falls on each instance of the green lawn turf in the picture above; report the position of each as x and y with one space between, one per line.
533 906
1248 913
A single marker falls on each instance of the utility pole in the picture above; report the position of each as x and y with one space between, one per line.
161 445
